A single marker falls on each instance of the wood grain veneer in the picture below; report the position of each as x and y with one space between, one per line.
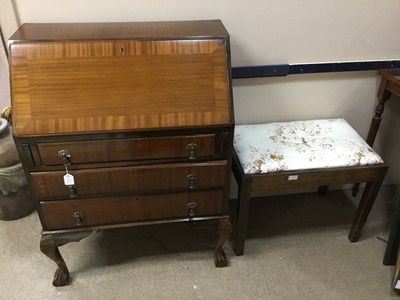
81 87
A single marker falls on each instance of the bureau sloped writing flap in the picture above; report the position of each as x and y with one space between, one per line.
95 86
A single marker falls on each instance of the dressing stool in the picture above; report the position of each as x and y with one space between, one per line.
301 154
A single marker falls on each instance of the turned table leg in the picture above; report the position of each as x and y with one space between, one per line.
383 96
224 231
49 244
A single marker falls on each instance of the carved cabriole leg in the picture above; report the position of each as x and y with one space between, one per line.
49 248
49 244
224 231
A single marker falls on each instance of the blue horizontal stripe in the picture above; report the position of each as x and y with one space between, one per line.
284 70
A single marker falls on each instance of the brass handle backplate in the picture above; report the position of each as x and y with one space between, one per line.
72 191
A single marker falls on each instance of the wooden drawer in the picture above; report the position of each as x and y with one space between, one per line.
116 210
191 146
134 179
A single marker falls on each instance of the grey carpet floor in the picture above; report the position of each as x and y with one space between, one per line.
297 248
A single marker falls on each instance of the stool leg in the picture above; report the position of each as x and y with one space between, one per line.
243 214
364 207
367 201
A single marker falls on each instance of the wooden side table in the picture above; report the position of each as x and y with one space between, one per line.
390 85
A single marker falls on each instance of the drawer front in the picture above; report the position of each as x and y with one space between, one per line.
109 211
135 179
128 149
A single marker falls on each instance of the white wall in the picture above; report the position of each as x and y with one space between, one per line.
263 31
272 32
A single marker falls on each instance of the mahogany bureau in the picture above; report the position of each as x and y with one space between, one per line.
123 124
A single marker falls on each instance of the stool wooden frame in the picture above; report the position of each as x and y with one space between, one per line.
248 184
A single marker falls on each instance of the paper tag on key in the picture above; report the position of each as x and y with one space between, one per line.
69 179
397 286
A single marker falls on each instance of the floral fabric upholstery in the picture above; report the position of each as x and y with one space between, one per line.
298 145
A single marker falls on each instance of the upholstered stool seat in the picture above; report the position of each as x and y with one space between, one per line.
283 155
299 145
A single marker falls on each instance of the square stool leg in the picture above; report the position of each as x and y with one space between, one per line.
367 201
244 186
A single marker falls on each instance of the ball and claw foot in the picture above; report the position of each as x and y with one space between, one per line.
61 277
49 244
224 231
220 259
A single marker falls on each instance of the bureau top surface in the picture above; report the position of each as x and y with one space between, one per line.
107 77
125 30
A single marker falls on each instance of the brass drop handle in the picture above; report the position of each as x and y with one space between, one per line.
65 155
192 147
72 191
78 217
191 208
192 178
